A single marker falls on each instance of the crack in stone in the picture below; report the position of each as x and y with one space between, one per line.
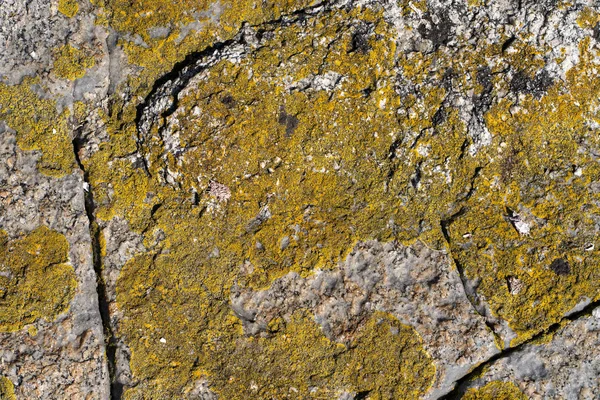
116 388
154 108
470 293
462 384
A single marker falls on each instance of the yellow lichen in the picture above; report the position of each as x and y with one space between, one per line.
192 25
320 180
588 18
476 3
496 390
193 336
537 169
36 280
318 169
39 126
71 63
7 389
258 173
387 361
68 7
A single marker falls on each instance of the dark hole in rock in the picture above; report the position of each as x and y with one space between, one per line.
439 117
360 39
439 33
508 43
560 266
290 121
360 43
228 101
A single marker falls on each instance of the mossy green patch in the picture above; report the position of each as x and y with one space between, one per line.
496 390
39 126
36 280
7 389
68 7
71 63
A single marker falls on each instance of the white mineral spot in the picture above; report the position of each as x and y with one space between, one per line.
423 150
522 227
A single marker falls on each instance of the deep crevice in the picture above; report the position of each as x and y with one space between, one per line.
362 395
461 385
469 293
183 71
116 388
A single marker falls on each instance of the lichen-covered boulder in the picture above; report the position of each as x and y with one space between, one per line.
378 199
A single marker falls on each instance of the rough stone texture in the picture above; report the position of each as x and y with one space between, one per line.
61 358
415 284
564 366
353 199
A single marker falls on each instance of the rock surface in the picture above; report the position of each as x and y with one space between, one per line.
298 199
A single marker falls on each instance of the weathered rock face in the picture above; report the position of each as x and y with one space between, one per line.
51 334
373 199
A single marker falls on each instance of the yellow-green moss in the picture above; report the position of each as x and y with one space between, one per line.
39 126
7 389
36 281
71 63
68 7
496 390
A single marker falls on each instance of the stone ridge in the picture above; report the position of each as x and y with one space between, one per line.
299 199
